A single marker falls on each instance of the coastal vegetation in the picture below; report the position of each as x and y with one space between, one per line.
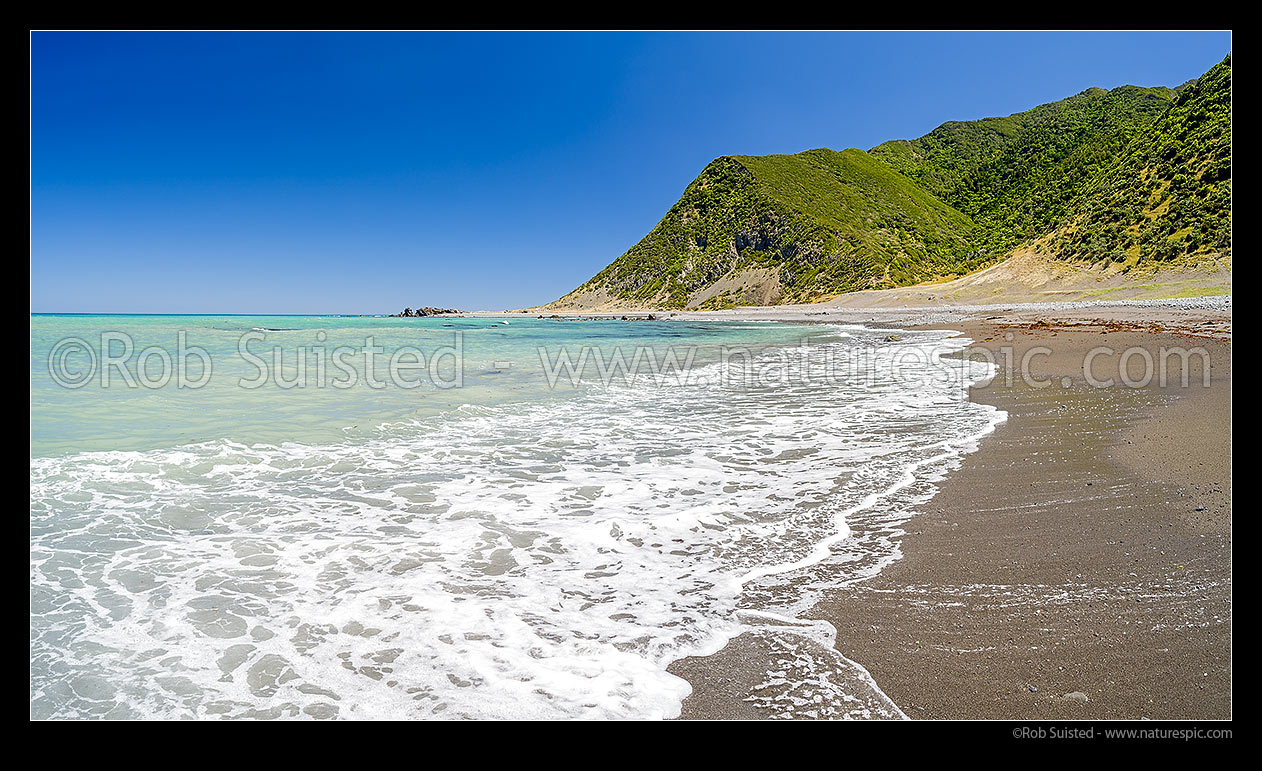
1167 197
1016 177
1124 175
824 221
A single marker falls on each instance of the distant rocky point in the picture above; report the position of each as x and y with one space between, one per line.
409 313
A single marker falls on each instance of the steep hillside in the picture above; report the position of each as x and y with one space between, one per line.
1168 196
1018 176
1128 176
787 228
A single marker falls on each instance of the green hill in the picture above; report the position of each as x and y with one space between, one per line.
1126 174
1017 177
1168 195
800 227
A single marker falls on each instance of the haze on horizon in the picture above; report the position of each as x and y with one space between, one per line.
365 172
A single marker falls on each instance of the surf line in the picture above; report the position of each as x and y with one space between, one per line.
822 549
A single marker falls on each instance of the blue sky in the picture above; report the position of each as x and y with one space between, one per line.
360 173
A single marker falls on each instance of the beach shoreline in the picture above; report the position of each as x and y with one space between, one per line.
1077 565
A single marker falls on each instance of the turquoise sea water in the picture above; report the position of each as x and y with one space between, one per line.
475 538
121 417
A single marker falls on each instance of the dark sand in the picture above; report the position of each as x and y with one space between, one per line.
1065 556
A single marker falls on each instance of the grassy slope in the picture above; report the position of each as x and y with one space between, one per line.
1168 196
1018 176
826 222
1129 174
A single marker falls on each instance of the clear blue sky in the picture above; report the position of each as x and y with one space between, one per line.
359 173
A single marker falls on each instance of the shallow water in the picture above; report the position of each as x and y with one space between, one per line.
499 549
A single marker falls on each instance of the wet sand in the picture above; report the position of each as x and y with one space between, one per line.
1083 550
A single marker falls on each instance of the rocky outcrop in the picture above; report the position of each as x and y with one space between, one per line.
426 311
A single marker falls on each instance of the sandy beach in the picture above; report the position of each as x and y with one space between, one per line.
876 376
1078 565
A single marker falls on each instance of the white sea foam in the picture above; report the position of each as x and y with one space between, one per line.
529 560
